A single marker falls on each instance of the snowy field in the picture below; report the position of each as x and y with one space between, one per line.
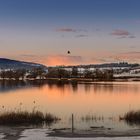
41 134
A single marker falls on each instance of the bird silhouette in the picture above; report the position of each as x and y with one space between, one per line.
68 52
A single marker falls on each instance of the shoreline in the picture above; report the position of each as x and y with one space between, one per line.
95 133
118 79
16 133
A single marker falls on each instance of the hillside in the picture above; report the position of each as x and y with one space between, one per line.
14 64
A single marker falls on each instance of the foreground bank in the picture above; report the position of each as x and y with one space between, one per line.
43 134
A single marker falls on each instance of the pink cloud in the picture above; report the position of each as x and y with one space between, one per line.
65 30
81 35
120 33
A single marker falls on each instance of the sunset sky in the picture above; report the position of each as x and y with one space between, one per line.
94 31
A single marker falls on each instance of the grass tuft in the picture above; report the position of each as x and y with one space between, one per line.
26 118
132 117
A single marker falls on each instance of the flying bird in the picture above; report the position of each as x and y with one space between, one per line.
68 52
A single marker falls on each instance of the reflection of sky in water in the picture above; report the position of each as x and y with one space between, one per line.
98 99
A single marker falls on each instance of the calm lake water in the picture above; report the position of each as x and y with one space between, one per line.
105 101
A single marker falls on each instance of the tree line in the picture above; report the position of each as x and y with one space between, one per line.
22 74
74 73
57 72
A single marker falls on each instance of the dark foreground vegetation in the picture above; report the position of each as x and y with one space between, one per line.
26 118
132 117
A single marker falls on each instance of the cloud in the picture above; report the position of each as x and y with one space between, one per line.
103 59
122 34
70 30
132 36
132 47
77 33
98 60
66 30
97 29
28 55
81 35
128 56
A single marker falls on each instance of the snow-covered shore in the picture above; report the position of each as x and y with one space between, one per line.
42 134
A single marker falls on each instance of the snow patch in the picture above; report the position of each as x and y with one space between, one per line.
41 134
34 134
2 136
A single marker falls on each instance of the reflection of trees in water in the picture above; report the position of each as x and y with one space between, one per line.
75 87
8 85
103 87
87 88
112 88
55 84
94 87
63 86
36 83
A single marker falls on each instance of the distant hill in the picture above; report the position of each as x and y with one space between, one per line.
105 65
14 64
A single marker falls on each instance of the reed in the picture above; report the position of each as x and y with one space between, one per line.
132 117
89 117
26 118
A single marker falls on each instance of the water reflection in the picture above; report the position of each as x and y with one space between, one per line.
96 87
107 99
133 124
7 85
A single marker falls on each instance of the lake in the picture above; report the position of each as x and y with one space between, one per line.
93 104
